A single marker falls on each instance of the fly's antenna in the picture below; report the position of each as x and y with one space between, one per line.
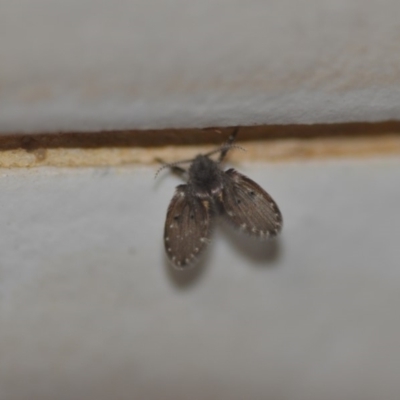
225 147
169 165
223 150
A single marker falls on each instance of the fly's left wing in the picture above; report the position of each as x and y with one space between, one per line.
187 227
248 207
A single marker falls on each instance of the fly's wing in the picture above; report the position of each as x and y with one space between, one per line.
249 207
187 227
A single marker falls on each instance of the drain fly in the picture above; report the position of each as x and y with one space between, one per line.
211 191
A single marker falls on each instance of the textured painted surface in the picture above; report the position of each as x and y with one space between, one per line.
89 65
88 308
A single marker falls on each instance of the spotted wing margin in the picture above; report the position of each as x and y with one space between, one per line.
187 227
249 207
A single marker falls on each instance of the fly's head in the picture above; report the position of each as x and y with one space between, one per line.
206 177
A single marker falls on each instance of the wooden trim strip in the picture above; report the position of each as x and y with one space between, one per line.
263 143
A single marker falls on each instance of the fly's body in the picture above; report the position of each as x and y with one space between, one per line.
210 190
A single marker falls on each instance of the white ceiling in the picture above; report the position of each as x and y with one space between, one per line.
90 65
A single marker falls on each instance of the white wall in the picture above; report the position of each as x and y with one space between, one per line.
89 308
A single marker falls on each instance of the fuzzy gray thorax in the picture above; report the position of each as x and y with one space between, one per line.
205 176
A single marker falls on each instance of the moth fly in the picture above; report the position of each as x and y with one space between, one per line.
210 191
